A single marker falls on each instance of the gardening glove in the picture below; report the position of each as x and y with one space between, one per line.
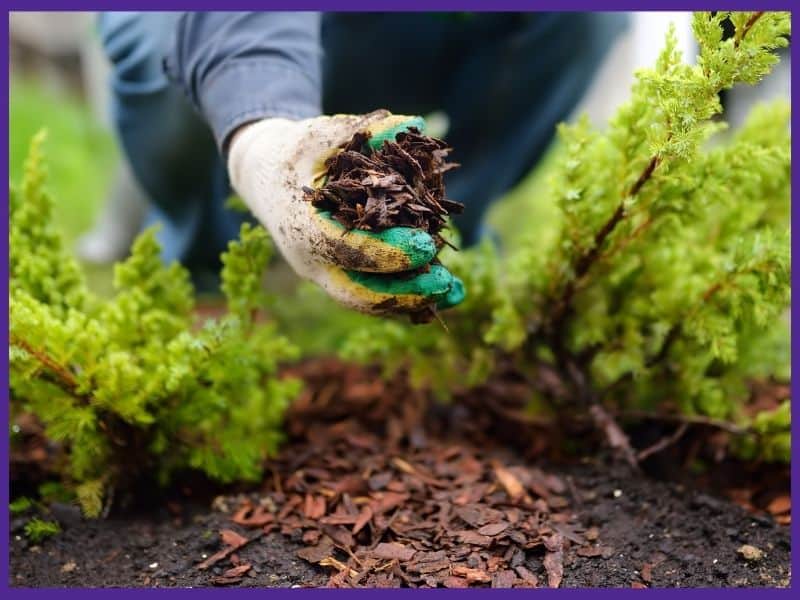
270 161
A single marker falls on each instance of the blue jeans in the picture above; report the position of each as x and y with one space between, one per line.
504 81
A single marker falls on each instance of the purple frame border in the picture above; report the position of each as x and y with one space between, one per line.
382 5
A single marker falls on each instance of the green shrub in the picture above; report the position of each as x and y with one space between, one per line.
38 530
657 278
20 505
132 385
663 276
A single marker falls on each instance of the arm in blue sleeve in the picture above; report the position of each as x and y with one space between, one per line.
241 67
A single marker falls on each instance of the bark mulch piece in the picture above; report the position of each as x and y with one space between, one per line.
399 185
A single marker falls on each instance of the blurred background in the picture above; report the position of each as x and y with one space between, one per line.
59 82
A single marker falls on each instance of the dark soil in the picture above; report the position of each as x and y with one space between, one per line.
689 539
377 487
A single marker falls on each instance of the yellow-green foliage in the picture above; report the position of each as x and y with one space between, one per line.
38 530
666 277
133 385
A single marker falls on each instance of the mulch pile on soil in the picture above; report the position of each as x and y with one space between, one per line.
378 501
399 185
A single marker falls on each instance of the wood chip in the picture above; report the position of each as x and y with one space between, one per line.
510 483
237 571
780 505
393 550
493 529
473 537
470 574
554 560
315 554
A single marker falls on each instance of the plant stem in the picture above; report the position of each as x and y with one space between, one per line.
747 26
663 443
63 376
588 258
690 419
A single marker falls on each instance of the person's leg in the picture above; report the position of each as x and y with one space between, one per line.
508 94
171 150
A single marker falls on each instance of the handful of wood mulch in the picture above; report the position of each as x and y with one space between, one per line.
399 185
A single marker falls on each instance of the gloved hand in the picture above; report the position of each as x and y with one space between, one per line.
269 163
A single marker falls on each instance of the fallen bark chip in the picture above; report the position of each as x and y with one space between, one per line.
231 538
315 554
393 550
232 541
226 580
509 482
504 579
471 574
455 582
493 529
780 505
364 517
473 537
314 506
554 560
527 576
237 571
251 516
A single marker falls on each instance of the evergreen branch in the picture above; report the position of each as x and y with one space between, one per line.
669 339
747 26
588 258
617 248
674 333
585 261
64 378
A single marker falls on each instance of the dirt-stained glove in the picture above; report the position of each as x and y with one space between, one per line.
270 161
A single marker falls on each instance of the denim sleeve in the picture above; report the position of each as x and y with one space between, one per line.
240 67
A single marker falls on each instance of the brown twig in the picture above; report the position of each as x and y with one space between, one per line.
747 26
616 438
587 259
688 419
663 443
64 378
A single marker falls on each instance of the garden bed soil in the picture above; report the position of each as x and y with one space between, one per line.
378 487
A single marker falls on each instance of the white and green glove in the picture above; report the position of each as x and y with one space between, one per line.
270 161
